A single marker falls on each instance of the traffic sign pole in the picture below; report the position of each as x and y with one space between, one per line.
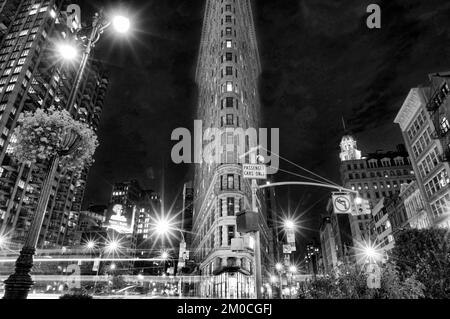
258 277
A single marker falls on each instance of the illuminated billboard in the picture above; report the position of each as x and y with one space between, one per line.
121 218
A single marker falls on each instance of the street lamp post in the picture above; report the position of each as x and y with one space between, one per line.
292 271
163 227
18 285
279 268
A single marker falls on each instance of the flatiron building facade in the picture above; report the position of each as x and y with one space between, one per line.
227 76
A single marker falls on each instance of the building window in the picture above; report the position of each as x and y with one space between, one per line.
229 44
229 56
229 102
229 70
229 86
423 141
230 206
230 181
229 120
228 31
416 125
230 234
445 125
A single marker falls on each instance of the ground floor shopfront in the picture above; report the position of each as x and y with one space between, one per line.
228 285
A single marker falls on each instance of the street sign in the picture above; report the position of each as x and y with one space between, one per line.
287 249
290 234
96 264
254 171
342 204
293 247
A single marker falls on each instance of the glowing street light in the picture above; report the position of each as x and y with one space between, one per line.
121 24
292 269
289 224
112 266
164 255
273 279
67 51
162 226
113 246
371 253
368 252
91 245
279 267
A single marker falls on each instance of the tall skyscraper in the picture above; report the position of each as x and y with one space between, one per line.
32 76
227 76
8 10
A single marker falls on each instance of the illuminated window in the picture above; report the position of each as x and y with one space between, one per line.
229 44
230 234
445 125
229 86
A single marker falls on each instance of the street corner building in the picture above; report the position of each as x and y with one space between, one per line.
227 76
34 76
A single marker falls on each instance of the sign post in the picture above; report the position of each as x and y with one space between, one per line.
290 234
254 172
342 203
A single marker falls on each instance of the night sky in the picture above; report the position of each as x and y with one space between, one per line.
320 63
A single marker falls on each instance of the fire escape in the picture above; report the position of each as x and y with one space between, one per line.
438 106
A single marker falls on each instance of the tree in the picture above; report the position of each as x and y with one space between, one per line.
350 282
393 287
424 254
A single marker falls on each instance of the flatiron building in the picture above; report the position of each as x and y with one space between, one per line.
227 77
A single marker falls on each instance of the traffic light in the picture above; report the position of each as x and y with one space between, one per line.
247 222
362 207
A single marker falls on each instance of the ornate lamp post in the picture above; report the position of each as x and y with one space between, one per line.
18 285
52 136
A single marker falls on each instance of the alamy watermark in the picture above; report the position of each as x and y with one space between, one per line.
227 145
374 19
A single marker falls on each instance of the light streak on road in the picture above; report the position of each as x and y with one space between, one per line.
40 259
